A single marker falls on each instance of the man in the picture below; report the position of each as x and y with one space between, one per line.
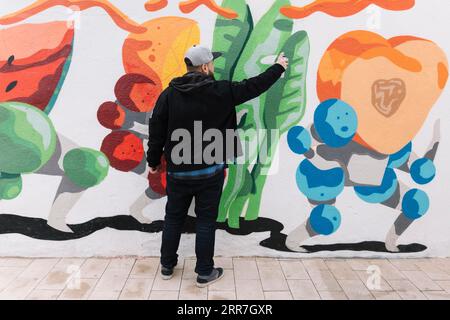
193 99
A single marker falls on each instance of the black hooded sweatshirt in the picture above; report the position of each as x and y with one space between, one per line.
198 97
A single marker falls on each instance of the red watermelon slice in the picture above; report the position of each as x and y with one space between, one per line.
34 60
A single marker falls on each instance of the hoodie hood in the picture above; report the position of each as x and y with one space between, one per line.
191 81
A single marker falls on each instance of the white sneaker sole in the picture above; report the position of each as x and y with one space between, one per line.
203 285
167 277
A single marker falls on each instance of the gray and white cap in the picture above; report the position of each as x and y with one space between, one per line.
198 55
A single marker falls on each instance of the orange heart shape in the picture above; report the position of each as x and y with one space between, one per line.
392 84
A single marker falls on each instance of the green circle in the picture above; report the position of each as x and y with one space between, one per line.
10 185
86 167
28 138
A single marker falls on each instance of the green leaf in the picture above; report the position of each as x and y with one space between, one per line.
230 37
267 39
286 100
284 107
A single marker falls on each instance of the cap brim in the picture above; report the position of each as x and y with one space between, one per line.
216 55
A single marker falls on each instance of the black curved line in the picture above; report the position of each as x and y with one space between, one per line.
277 242
38 228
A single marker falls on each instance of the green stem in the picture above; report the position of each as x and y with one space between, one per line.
255 198
232 188
225 199
236 207
236 210
259 175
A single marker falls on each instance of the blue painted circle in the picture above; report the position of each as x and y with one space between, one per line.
299 140
396 160
325 219
423 171
415 204
317 184
335 122
381 193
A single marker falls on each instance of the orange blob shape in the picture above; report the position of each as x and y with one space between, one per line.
443 75
121 20
155 5
343 8
190 5
159 53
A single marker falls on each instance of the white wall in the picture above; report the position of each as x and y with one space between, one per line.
97 64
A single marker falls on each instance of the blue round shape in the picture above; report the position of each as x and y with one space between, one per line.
299 140
335 122
317 184
381 193
415 204
325 219
423 171
399 158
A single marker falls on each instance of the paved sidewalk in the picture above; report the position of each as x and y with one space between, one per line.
245 278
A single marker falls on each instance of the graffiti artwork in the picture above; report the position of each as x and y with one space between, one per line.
280 108
362 141
373 104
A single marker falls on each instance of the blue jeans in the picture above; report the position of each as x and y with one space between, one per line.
207 193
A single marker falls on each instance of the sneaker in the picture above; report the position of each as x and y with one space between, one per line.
166 273
203 281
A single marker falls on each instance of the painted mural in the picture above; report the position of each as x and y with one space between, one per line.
362 142
373 103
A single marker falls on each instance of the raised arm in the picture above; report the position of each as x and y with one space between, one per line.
253 87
